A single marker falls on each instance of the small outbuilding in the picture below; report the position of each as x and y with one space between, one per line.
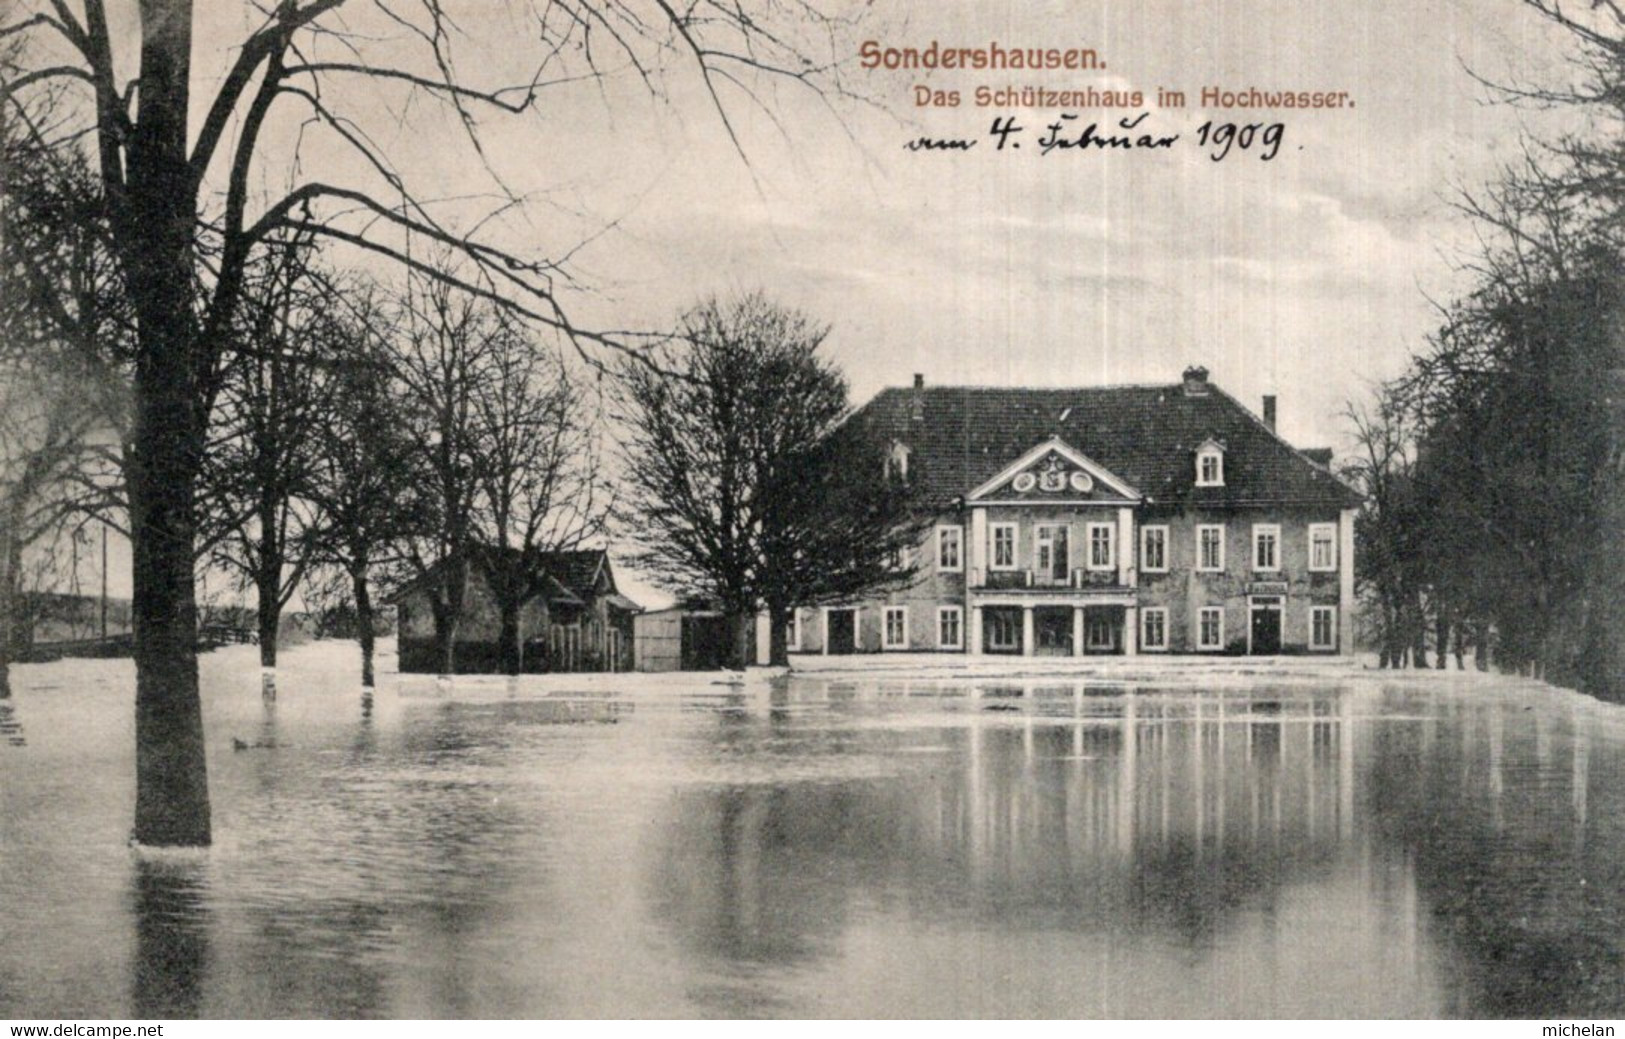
691 637
575 620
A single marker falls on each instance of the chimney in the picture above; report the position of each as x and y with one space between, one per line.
917 408
1195 381
919 381
1269 411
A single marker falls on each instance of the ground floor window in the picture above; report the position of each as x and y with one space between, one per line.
1154 628
1003 630
895 634
1322 627
1099 632
792 632
1210 628
950 627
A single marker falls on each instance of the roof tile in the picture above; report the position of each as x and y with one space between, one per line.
1147 435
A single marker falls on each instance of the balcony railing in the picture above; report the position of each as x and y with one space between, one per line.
1078 578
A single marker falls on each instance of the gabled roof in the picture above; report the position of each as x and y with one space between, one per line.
1056 451
578 570
1147 436
569 578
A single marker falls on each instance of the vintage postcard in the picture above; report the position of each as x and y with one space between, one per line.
604 509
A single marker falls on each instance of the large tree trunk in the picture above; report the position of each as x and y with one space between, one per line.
739 639
510 652
445 641
1419 634
269 617
1390 637
778 654
363 620
156 232
172 787
1441 639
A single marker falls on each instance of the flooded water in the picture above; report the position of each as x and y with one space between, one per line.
820 848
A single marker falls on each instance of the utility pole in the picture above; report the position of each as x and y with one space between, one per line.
104 581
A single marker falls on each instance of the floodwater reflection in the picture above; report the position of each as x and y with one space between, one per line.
171 937
820 848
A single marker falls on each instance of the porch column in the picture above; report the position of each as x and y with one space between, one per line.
823 617
978 545
975 560
1345 582
1131 631
1027 640
1127 550
1077 631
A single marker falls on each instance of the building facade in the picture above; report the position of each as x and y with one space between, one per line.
1106 520
574 620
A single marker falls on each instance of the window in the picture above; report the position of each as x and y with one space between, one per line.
897 461
1322 627
949 557
792 633
1154 628
1210 467
1003 629
1210 548
1098 631
1101 556
950 627
895 633
1154 549
1210 628
1266 546
1004 546
1322 546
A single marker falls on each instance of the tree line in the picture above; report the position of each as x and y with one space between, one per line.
179 208
362 434
1494 466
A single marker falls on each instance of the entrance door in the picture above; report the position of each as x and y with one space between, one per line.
843 631
1051 565
1053 631
1266 622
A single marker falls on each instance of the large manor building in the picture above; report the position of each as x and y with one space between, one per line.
1105 520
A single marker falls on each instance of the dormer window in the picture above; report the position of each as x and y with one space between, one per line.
897 461
1210 465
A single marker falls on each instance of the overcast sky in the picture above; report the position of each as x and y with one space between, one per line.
1306 276
1303 276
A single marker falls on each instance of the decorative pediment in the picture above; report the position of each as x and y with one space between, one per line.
1055 471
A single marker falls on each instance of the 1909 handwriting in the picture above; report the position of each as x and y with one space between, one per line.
1220 140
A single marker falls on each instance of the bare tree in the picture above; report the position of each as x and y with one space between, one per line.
58 402
443 350
362 465
742 486
256 518
1387 528
541 489
187 257
45 431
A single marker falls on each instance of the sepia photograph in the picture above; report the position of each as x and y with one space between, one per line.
601 510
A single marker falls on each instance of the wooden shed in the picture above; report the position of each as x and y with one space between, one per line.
680 638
